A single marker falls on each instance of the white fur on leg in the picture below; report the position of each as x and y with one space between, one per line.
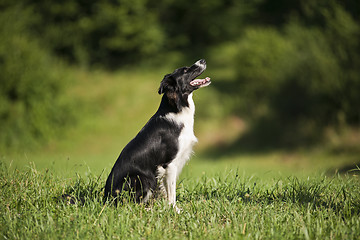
170 181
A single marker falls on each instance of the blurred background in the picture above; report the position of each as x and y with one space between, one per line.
79 79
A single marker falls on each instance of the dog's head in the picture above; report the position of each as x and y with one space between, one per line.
182 82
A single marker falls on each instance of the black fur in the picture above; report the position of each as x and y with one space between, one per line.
157 143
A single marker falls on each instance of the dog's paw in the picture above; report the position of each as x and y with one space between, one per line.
177 210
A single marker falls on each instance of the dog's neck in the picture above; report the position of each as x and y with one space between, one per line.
168 105
186 114
183 117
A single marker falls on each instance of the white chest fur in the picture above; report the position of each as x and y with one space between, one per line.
167 177
187 138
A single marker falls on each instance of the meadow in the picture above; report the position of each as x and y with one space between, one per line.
278 128
279 194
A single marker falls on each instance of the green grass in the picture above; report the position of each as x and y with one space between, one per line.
224 205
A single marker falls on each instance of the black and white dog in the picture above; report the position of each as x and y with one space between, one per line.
153 160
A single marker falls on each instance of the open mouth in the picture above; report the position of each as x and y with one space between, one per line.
200 82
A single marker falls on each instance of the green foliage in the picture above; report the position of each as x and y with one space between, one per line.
197 25
226 205
112 33
31 107
295 74
106 33
297 79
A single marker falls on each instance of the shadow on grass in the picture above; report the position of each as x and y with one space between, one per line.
345 169
91 190
83 190
270 134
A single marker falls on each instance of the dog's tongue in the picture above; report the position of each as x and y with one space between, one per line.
199 82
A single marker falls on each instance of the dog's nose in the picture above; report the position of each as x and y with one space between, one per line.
201 62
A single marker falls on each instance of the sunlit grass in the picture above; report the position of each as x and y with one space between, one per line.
229 204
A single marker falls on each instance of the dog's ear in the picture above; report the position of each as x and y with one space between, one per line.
167 84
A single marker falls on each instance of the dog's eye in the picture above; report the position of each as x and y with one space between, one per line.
185 70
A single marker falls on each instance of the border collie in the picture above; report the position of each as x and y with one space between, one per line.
153 160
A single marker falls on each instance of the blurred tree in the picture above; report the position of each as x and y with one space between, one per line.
302 75
112 32
31 105
195 25
106 32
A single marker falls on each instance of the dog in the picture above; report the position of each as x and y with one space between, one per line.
153 160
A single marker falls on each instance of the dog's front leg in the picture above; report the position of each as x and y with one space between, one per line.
170 179
171 183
